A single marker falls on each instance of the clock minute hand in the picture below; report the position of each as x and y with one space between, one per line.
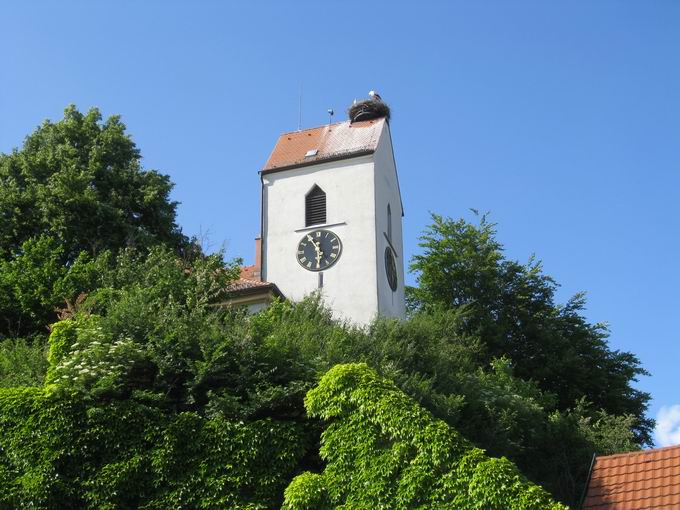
319 254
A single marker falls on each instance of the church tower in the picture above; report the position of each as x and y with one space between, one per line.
332 217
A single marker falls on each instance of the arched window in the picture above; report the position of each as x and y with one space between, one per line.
315 207
389 222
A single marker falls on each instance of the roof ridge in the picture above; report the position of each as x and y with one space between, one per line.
312 128
253 279
639 452
370 121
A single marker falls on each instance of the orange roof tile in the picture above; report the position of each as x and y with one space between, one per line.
250 272
247 284
249 281
332 141
648 479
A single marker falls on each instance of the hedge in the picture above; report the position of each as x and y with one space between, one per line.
58 452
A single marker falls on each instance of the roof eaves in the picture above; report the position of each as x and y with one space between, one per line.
396 172
320 159
259 287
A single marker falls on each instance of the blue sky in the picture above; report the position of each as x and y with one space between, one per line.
561 118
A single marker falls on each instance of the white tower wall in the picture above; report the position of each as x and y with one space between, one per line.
348 286
390 304
358 190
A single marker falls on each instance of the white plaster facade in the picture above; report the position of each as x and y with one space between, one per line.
386 189
358 190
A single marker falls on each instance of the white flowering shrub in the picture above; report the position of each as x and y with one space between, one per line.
84 358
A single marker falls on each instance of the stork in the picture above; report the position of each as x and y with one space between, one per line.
375 96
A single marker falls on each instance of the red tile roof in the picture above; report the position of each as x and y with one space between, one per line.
332 141
250 272
649 479
246 284
249 281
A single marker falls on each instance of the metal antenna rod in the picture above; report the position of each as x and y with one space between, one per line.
300 109
330 116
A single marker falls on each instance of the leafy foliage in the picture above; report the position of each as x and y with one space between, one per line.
23 362
511 307
65 453
84 359
74 190
134 411
27 280
384 451
150 394
431 358
79 180
149 334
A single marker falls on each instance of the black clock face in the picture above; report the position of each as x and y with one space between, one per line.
319 250
391 269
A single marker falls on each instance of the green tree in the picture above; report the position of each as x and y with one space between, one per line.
145 357
23 362
64 452
433 359
75 189
36 286
511 307
155 397
80 181
153 314
384 451
27 280
150 337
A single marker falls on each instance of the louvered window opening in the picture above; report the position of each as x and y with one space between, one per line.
315 207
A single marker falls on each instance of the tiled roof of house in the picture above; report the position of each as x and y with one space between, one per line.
250 272
329 142
249 281
247 284
649 479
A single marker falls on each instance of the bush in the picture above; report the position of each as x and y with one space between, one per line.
384 451
23 362
61 453
151 341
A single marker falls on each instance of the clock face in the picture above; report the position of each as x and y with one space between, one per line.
391 269
319 250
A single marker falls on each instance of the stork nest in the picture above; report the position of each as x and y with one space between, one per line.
367 110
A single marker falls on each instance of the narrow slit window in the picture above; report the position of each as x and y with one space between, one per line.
389 222
315 207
